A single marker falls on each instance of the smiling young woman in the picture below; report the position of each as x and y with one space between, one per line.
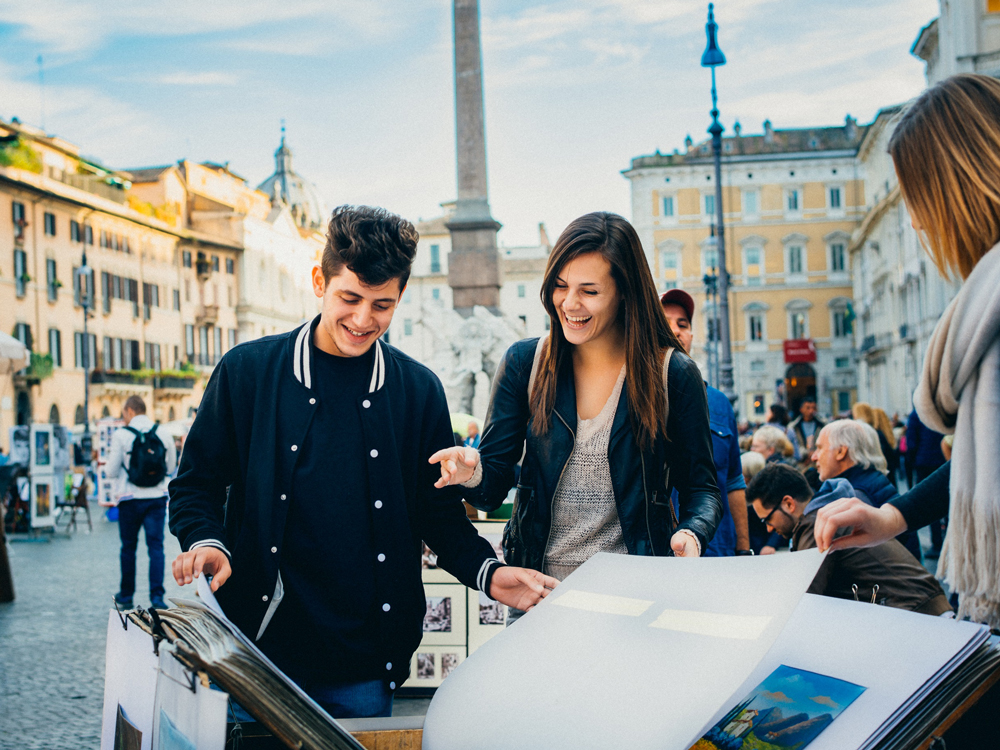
604 442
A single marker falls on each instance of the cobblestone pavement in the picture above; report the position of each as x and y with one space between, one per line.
52 636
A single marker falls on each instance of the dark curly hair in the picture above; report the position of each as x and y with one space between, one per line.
373 243
774 481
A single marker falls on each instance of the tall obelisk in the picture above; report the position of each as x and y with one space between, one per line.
473 264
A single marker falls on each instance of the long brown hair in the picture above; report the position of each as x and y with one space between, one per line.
647 334
946 148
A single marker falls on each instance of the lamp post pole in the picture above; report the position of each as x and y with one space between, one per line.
712 58
83 284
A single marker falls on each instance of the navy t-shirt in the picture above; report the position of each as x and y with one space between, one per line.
325 630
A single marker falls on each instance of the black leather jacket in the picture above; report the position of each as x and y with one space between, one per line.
642 481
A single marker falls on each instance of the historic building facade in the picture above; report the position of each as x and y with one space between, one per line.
185 262
791 200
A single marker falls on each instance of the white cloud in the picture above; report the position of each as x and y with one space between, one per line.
203 78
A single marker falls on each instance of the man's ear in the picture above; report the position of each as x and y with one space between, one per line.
841 452
318 282
788 503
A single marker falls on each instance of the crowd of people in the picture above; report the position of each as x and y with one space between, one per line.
321 460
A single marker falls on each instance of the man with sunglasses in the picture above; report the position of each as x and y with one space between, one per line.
884 574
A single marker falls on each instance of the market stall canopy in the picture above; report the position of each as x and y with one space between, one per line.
13 354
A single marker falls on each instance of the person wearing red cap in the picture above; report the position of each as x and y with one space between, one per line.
732 536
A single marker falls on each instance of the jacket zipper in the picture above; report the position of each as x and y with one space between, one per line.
645 497
552 501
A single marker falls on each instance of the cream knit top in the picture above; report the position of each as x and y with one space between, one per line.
584 514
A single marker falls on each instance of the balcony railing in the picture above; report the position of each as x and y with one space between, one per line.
95 185
207 315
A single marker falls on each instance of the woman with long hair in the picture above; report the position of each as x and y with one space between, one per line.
946 150
869 414
604 441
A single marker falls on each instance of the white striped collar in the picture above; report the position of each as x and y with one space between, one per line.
302 359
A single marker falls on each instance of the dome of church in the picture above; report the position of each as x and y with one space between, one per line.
296 192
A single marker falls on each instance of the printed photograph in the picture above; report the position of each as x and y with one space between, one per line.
437 619
490 612
428 559
425 666
43 502
42 456
787 711
497 541
448 663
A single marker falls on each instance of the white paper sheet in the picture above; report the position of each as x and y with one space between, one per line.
565 676
891 652
130 670
198 714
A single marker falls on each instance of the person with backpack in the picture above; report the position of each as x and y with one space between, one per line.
610 414
143 459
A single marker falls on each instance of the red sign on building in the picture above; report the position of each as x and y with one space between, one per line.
799 350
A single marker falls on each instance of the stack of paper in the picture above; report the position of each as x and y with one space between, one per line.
711 654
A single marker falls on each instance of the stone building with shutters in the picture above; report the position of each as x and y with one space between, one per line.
792 198
167 253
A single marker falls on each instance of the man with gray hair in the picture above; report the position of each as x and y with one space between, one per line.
848 449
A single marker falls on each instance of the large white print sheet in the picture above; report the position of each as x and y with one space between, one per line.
628 651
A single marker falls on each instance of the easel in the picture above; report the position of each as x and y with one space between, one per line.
78 501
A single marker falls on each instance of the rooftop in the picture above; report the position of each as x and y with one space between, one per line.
771 143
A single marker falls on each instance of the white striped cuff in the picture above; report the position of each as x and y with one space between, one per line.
211 543
477 476
482 577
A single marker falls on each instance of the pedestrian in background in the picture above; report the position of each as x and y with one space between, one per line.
472 436
946 150
142 458
923 446
777 415
731 538
802 431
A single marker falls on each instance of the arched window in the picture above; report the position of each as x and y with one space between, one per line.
54 414
171 415
78 418
105 412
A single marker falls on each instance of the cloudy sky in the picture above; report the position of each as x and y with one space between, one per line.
574 88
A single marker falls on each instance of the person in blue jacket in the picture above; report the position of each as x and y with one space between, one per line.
732 537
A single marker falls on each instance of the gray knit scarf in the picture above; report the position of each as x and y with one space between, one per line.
959 392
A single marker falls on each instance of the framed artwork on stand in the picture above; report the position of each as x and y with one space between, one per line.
445 616
432 664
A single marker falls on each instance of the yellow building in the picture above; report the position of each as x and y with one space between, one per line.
163 294
791 200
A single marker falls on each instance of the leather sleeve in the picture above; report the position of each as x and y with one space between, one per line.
690 454
502 442
927 501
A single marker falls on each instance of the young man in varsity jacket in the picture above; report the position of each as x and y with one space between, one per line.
305 490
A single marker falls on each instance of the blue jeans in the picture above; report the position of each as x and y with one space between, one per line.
352 700
148 514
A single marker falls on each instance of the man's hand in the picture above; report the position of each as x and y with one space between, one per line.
683 545
767 549
211 561
520 588
457 465
868 526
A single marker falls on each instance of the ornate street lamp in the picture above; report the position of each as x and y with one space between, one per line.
712 58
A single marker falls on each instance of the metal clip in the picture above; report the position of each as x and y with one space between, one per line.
874 593
120 617
854 588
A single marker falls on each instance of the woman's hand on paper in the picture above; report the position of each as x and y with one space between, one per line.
521 588
684 545
211 561
867 526
458 464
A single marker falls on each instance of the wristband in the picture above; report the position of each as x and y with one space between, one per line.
744 553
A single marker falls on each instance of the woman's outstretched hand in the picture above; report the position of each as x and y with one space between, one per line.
520 588
868 526
458 464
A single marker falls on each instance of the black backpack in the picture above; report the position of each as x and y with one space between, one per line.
148 463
